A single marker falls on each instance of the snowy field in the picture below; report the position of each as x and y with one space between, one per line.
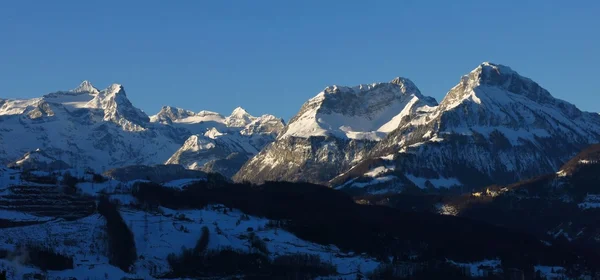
156 236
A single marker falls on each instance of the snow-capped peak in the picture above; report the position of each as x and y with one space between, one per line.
239 112
239 118
115 89
366 111
169 114
406 86
496 83
205 113
196 143
495 98
264 124
213 133
85 86
118 109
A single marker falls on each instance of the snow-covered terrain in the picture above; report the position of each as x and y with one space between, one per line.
156 234
224 148
360 112
495 125
82 127
334 130
101 129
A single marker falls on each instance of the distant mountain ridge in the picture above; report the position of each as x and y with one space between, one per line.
334 130
495 126
101 129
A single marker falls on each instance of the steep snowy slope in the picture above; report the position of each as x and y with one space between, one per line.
39 160
227 144
82 127
495 126
102 129
360 112
334 130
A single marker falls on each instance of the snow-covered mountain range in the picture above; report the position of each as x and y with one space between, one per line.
101 129
335 130
217 143
495 126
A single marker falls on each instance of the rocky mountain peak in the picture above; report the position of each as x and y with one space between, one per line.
205 113
406 86
264 124
366 111
213 133
115 89
85 87
495 81
239 112
239 118
169 114
118 109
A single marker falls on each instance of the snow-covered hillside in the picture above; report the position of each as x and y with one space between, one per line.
157 234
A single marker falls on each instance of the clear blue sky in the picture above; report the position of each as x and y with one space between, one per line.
271 56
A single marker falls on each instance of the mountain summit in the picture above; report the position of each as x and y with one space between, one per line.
495 126
102 129
239 118
86 86
335 129
366 111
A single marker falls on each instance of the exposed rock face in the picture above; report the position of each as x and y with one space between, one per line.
84 127
101 129
495 126
225 151
333 131
315 159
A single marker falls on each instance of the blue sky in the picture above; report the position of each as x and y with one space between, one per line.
271 56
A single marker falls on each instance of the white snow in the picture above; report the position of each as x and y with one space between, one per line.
388 157
103 130
383 107
561 173
157 235
379 170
